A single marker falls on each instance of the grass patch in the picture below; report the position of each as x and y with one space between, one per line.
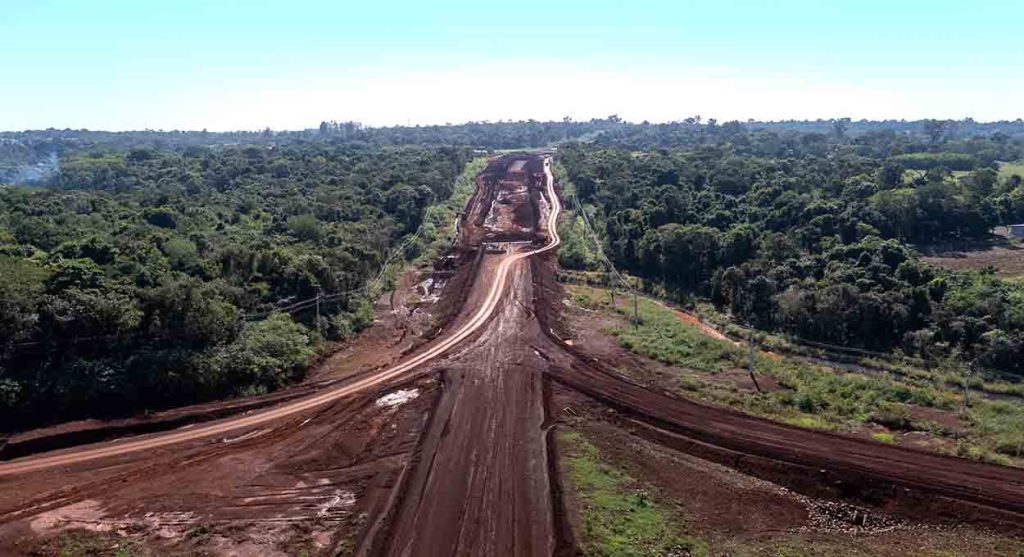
439 229
808 421
997 428
619 518
812 395
819 390
82 543
1008 169
659 335
884 437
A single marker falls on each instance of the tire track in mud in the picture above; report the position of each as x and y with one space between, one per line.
320 479
374 538
482 480
133 472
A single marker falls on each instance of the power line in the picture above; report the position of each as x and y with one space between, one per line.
600 250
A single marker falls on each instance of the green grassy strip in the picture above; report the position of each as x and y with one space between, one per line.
439 230
660 335
619 519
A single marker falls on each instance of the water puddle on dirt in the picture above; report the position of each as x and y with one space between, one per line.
397 397
89 515
545 210
86 514
340 498
499 215
430 290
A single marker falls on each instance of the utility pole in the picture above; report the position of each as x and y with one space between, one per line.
967 383
750 361
318 309
615 282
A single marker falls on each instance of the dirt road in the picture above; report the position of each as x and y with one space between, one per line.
481 485
450 452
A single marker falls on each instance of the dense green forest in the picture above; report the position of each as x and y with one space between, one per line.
812 234
147 277
35 155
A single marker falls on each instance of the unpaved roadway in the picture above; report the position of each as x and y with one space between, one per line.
481 485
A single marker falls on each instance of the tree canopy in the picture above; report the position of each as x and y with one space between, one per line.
814 235
148 277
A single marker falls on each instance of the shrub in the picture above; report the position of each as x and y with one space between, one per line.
884 437
892 415
265 355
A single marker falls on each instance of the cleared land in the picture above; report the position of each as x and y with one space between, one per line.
1009 169
1002 253
1008 261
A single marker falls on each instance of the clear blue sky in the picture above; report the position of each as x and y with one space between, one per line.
190 64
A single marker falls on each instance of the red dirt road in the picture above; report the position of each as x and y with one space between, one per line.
481 485
456 458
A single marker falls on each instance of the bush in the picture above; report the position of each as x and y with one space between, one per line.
892 415
10 391
265 356
884 437
339 327
74 273
304 227
362 314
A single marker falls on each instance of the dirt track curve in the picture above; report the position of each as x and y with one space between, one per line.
466 464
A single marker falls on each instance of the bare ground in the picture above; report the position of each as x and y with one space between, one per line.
1005 256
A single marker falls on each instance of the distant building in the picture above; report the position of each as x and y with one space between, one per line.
1017 230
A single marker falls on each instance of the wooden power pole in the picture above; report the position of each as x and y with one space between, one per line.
318 310
750 361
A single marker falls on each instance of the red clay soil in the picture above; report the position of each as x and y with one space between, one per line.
323 470
691 319
481 485
457 456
